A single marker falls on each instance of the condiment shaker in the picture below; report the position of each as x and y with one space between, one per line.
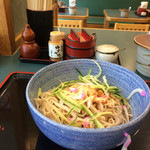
55 46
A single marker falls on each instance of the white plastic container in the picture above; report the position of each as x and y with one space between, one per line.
107 52
144 4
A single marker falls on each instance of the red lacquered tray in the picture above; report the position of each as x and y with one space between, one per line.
148 83
44 59
13 118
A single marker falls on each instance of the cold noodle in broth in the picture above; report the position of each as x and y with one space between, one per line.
86 103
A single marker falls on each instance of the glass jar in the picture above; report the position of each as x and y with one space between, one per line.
55 46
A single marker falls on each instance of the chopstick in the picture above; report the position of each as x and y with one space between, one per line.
40 5
44 4
36 4
28 4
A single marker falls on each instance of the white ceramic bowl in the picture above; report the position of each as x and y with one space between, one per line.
107 52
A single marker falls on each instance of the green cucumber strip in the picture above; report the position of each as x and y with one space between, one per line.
70 105
64 96
97 123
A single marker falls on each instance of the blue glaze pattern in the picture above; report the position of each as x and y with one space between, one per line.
89 139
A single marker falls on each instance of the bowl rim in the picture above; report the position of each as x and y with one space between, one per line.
88 130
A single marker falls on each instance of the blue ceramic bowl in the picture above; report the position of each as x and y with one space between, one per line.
88 139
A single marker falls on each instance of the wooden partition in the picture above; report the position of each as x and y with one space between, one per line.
13 19
12 24
7 39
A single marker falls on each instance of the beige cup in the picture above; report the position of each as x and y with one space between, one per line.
124 13
72 10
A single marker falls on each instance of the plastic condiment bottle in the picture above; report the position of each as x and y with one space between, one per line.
55 46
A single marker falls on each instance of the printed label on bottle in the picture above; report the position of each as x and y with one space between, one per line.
55 51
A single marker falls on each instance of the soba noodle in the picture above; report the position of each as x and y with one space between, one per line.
85 103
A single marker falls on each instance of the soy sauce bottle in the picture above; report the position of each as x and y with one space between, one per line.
29 48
